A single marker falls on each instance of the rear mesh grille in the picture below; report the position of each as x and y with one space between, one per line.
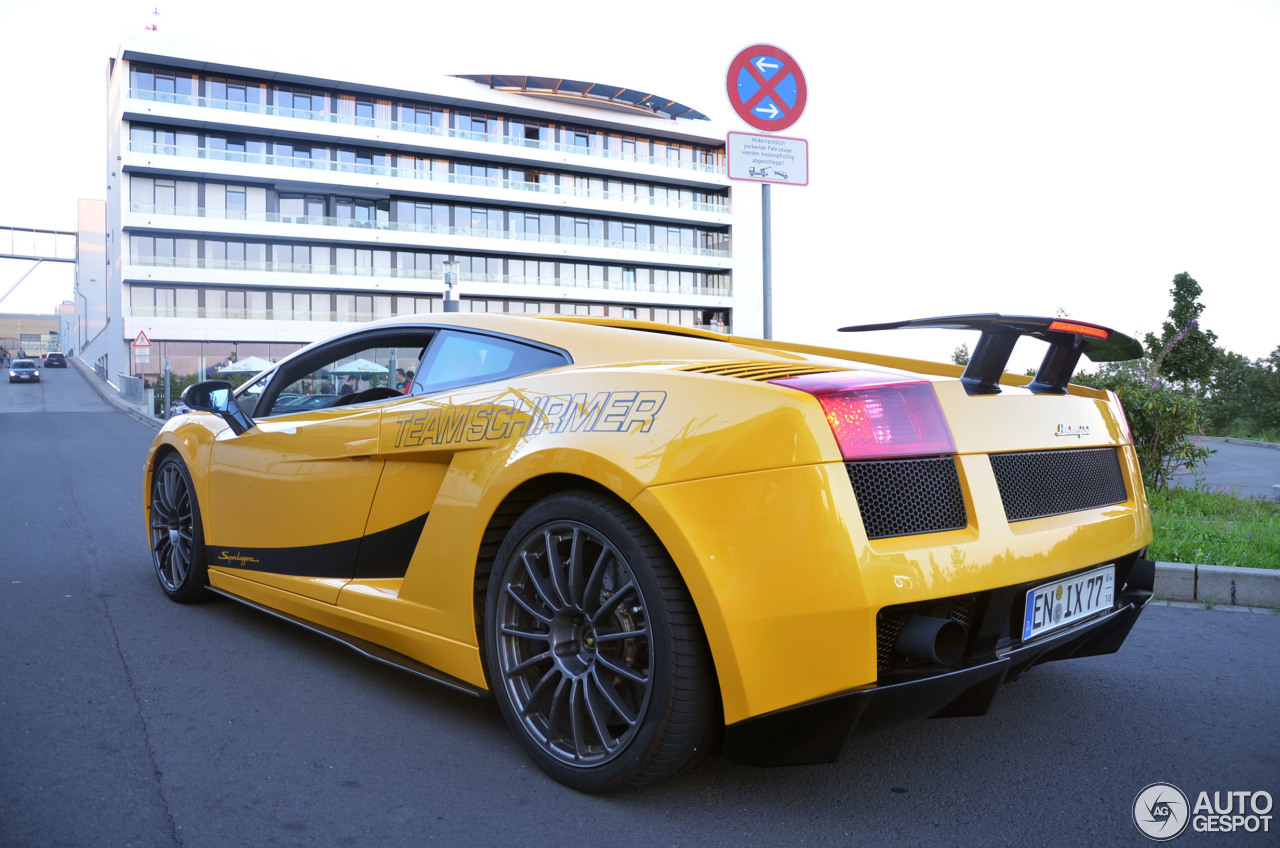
902 497
1035 485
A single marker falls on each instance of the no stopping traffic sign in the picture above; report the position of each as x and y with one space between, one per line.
766 87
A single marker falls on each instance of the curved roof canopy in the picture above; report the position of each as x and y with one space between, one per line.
600 94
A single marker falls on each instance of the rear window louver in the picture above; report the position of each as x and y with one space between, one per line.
759 371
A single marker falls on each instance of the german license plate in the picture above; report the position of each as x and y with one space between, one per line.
1069 601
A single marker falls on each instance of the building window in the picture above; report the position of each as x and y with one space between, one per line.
531 132
237 202
164 84
413 116
291 99
234 93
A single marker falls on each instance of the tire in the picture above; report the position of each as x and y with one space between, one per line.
595 652
177 533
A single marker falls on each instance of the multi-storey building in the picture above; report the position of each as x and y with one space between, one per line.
252 210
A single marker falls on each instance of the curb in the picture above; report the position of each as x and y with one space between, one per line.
1232 440
1218 584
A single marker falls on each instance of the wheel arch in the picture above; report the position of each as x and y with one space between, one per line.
519 500
508 511
192 443
154 458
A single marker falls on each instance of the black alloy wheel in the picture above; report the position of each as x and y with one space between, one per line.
177 535
595 652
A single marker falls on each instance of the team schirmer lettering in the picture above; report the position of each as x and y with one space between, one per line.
525 415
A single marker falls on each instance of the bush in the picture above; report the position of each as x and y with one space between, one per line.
1163 422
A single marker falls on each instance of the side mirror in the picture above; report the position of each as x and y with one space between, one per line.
215 396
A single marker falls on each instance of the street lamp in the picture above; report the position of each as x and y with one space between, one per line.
452 271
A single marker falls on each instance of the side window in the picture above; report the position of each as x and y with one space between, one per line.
353 371
248 396
458 359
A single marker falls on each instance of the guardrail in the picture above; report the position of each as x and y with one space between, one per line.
132 389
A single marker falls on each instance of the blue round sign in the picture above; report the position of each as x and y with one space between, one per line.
766 87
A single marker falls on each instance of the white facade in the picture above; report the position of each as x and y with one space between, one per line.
252 210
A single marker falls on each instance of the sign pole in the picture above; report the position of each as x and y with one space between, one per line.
452 270
768 91
767 258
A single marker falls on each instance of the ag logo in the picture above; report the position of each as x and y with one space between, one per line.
1161 812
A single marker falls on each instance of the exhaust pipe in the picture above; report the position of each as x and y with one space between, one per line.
938 640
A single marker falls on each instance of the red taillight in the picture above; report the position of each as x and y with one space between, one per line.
1082 329
879 420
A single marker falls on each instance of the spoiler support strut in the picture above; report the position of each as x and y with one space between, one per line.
1000 333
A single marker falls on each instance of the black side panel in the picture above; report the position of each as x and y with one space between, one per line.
332 560
387 553
383 554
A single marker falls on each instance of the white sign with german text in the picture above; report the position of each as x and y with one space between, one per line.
768 158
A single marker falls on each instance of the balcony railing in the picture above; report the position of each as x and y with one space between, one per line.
430 229
426 129
716 289
718 207
216 314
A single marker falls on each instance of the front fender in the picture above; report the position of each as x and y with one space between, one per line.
191 436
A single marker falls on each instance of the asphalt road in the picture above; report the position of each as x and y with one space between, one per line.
128 720
1245 469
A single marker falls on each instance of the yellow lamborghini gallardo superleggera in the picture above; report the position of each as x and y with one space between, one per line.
650 542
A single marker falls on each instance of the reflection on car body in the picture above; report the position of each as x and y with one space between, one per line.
649 542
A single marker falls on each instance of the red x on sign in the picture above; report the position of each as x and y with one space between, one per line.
766 87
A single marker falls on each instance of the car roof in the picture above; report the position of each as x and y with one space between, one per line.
599 341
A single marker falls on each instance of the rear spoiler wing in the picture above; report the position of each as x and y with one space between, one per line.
1067 340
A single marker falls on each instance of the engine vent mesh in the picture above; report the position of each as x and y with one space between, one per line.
747 369
1035 485
903 497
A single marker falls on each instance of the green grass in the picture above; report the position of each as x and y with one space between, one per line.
1206 528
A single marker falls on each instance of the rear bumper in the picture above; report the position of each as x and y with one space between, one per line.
817 731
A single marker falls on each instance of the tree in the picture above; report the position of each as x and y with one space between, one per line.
961 355
1245 397
1192 358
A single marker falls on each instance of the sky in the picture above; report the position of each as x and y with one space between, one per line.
1020 157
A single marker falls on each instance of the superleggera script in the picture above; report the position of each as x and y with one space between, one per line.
604 412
